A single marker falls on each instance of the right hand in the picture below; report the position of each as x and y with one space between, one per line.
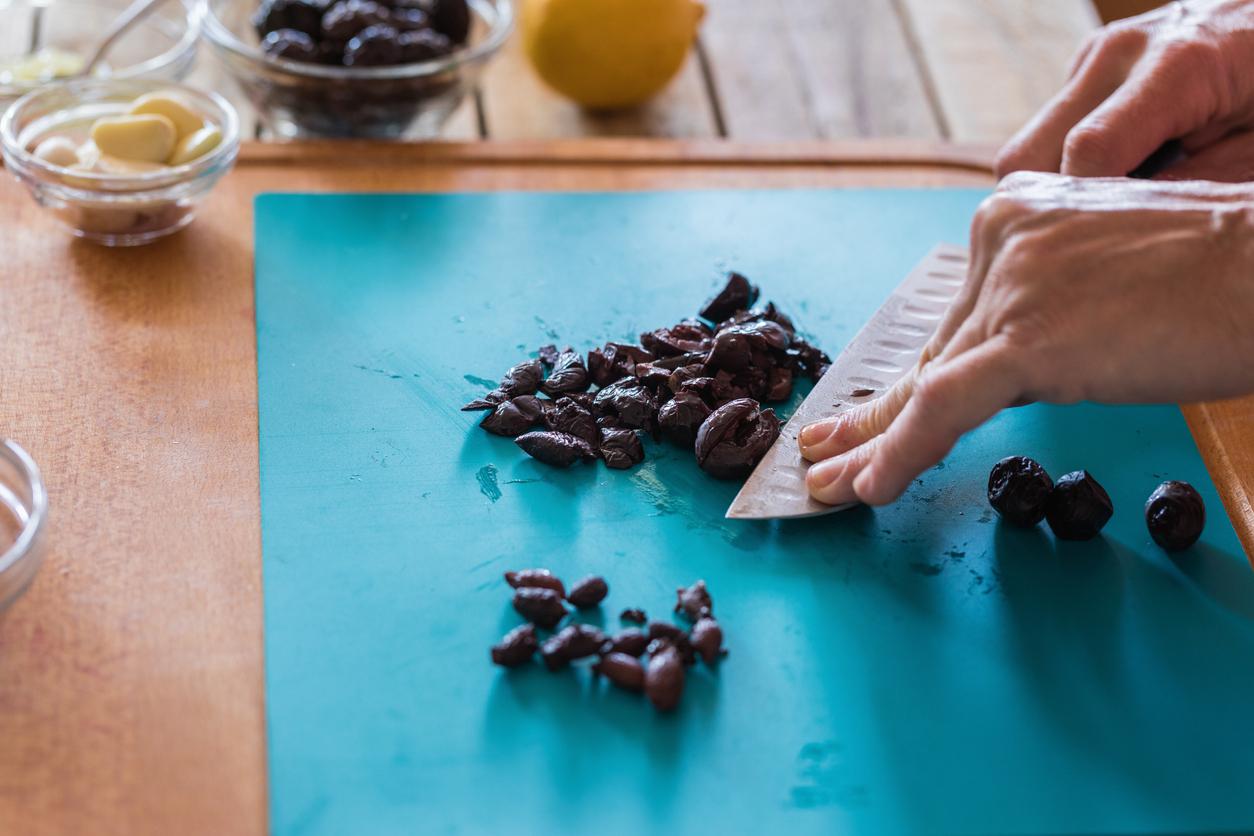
1183 72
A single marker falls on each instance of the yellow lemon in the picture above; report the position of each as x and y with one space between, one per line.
608 54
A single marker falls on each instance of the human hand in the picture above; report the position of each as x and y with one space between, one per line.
1114 290
1185 71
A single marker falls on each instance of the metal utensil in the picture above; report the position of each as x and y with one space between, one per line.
133 13
882 352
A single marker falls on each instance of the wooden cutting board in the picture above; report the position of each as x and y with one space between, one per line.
131 685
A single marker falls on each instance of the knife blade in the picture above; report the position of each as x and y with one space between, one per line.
880 355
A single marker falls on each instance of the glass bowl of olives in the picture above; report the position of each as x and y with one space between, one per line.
385 69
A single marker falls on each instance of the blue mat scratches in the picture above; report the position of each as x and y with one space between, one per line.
918 668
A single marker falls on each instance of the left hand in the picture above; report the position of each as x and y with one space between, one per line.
1114 290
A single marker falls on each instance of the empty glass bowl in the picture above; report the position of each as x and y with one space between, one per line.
23 513
306 100
115 209
39 40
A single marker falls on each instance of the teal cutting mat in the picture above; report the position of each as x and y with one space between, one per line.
918 668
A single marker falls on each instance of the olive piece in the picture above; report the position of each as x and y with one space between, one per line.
694 601
556 449
349 18
588 592
577 641
290 44
707 640
1018 489
299 15
451 18
621 449
1175 515
623 670
634 614
1078 507
633 641
539 578
379 46
664 678
514 417
542 607
735 438
567 416
679 418
569 374
517 648
737 294
632 404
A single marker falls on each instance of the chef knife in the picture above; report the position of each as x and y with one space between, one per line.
880 355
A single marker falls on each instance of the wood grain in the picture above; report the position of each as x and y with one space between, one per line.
131 681
993 63
814 68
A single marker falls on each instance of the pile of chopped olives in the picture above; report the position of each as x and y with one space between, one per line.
1077 507
361 33
669 648
699 384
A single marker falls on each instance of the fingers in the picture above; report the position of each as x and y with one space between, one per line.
1105 65
1229 161
831 481
1151 108
954 398
833 436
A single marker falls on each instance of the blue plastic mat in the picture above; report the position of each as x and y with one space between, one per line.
919 668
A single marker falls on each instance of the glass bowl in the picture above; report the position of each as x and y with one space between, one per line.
305 100
115 209
161 46
23 513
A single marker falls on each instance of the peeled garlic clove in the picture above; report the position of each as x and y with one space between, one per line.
106 164
148 138
196 145
173 107
58 150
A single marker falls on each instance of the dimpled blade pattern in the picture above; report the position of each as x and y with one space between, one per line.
874 360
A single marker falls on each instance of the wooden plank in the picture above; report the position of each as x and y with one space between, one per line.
993 63
518 105
1116 9
815 68
131 680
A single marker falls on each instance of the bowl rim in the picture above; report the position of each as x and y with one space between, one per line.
186 45
39 507
160 178
218 35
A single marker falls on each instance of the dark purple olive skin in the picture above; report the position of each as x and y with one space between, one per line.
735 438
542 607
1018 490
633 641
541 578
290 45
623 670
1078 507
517 648
694 601
588 592
664 679
555 449
1175 515
737 294
707 640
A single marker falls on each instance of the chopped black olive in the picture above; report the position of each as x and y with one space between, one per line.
694 601
523 379
738 294
735 438
679 418
577 641
514 417
569 375
567 416
634 614
707 640
662 632
632 641
540 578
630 402
588 592
542 607
491 400
548 355
1019 489
621 449
1175 515
556 449
623 670
1078 507
664 678
517 648
615 361
686 338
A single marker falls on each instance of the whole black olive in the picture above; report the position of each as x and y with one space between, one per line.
378 46
424 45
451 18
1078 507
588 592
300 15
1175 515
556 449
517 648
1018 489
290 44
349 18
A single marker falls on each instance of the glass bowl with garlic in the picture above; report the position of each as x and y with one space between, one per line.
120 163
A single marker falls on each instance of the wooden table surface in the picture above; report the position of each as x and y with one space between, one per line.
960 70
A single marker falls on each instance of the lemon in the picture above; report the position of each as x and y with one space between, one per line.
607 54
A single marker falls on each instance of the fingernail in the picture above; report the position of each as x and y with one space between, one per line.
822 475
817 432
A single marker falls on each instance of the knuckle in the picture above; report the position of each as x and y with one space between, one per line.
999 211
1091 143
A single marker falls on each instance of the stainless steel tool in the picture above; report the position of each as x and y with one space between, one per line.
881 353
